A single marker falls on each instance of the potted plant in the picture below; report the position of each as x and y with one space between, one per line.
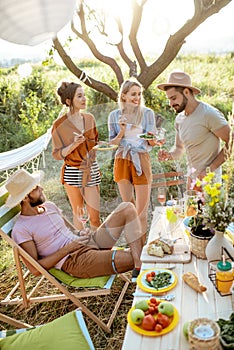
200 234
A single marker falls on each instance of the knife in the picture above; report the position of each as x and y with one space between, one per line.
140 294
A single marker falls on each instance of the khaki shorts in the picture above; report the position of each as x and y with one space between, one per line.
88 262
124 169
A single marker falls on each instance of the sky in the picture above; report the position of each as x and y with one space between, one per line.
161 18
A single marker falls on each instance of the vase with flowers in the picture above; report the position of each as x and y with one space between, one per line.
217 213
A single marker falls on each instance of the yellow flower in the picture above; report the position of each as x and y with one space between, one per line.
214 192
209 177
225 177
198 183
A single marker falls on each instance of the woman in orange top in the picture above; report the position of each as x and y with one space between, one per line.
73 137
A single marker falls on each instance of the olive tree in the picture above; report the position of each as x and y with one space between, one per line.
84 20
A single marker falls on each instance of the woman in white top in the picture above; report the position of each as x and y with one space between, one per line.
132 166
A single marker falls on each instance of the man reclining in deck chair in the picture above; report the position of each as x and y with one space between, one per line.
41 231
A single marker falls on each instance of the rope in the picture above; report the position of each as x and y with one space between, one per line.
84 77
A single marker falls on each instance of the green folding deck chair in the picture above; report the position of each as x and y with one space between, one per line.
93 286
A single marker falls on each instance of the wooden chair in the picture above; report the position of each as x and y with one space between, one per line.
13 322
168 179
26 297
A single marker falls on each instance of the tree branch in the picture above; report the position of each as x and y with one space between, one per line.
85 37
136 20
202 10
176 40
94 84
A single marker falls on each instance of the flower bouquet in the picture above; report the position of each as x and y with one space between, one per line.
218 209
217 212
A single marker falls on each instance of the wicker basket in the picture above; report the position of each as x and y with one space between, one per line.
198 245
196 343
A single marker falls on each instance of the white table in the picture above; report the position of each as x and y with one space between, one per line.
190 304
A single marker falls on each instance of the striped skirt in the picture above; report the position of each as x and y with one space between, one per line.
73 176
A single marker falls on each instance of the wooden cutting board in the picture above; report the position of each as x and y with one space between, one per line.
181 254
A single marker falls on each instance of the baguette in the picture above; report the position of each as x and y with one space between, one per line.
193 282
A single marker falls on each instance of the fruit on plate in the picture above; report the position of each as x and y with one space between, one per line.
158 328
142 304
137 316
166 308
151 322
148 323
162 319
186 328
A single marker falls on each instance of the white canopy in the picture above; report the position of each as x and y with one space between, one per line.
31 22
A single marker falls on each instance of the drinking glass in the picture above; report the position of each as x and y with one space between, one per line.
162 195
83 214
191 198
160 135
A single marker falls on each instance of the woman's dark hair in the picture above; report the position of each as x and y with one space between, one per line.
67 91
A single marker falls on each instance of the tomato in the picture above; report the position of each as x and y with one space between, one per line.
148 323
152 273
151 310
152 304
153 300
158 328
163 320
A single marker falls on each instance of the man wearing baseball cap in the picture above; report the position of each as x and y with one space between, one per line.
41 231
199 128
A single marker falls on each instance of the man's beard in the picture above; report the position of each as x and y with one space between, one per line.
181 108
37 202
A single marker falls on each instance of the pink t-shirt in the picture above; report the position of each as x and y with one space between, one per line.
47 230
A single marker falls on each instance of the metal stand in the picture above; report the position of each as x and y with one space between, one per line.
212 270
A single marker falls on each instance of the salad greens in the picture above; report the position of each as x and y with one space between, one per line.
160 280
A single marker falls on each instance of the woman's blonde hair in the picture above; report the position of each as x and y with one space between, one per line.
125 87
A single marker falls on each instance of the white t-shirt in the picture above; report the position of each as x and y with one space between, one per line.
196 133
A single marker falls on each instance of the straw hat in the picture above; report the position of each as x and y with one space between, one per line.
20 184
178 78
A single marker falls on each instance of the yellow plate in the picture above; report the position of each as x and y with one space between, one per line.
143 284
140 330
107 147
